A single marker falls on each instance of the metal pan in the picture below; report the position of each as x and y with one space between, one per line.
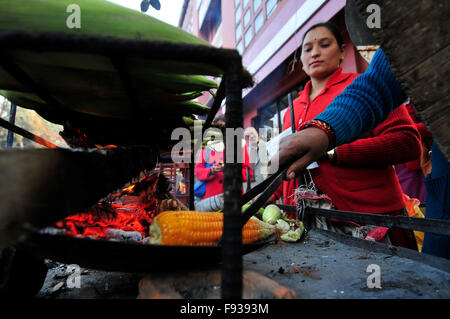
128 256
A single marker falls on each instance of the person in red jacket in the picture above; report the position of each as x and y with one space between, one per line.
213 175
358 176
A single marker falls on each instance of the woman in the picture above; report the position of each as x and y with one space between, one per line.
209 168
358 176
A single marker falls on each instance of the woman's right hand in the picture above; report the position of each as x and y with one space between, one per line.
216 168
300 149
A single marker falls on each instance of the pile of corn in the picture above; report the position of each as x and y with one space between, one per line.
90 83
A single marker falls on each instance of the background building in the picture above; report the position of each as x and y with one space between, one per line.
268 34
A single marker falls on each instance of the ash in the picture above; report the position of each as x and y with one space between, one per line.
61 283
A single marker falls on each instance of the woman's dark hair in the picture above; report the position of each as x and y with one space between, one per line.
331 27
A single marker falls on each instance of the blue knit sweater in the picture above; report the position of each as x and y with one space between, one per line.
365 103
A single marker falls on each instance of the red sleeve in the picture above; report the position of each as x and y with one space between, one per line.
277 194
394 141
202 172
412 114
413 165
246 165
423 131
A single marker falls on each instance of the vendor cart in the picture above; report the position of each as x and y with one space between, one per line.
54 182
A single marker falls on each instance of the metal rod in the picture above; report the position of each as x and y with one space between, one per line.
291 111
26 134
280 125
12 120
274 182
259 202
249 181
259 188
220 95
232 188
435 226
191 179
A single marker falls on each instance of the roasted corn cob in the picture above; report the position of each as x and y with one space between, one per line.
192 228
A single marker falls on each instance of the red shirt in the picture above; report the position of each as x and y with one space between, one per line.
363 179
214 185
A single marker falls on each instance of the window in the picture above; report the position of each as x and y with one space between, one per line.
271 116
256 4
271 5
259 21
245 3
247 18
239 47
236 3
190 26
238 14
238 31
248 36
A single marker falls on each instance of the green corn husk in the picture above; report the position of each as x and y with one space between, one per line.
101 18
192 122
110 82
114 108
89 83
93 62
103 94
177 83
98 17
293 235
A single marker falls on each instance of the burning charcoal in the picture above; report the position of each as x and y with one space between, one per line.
52 231
146 241
121 235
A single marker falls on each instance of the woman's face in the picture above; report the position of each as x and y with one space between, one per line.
321 55
251 137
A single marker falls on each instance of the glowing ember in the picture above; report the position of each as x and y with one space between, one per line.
128 189
182 187
133 209
105 147
95 224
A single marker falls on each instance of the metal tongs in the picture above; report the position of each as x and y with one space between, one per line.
272 183
267 187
